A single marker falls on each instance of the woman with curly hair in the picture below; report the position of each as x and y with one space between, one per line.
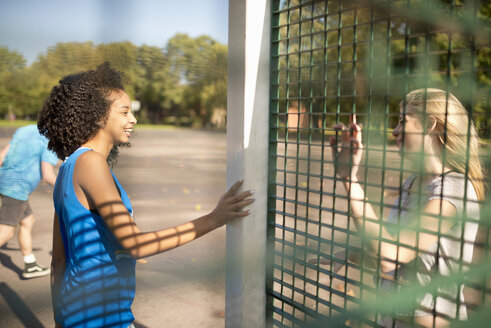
95 239
432 227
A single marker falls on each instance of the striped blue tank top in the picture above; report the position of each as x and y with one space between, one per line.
99 282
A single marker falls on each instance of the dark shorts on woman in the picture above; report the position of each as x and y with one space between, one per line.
13 210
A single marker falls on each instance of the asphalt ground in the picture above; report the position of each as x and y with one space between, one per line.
172 176
176 175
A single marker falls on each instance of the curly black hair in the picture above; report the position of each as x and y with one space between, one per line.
77 108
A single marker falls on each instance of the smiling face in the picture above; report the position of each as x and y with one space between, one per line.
120 122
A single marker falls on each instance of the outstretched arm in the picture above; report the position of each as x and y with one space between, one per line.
94 177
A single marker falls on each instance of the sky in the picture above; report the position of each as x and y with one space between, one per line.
30 27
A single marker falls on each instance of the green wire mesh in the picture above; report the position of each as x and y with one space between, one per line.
332 59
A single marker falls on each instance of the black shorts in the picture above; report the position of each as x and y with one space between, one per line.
13 210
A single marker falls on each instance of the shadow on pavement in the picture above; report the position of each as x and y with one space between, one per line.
6 261
19 307
7 248
139 325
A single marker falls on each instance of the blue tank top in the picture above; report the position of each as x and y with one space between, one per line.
99 282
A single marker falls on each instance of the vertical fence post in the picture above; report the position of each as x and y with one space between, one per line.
247 158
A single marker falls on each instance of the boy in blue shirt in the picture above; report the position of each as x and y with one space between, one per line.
23 163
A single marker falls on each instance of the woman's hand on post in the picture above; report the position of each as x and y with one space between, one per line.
231 205
347 159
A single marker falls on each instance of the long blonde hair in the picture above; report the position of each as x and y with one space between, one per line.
455 133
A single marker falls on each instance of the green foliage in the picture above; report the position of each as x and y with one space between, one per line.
10 60
201 65
336 59
188 79
12 66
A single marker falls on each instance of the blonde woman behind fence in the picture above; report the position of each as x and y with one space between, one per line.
435 135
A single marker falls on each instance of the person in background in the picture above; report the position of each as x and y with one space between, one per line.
24 161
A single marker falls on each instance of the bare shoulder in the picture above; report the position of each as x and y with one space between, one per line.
91 166
440 207
90 158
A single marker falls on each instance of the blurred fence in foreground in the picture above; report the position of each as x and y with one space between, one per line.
334 58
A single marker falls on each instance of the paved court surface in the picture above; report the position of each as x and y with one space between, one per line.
171 176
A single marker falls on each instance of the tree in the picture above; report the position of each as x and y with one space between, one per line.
12 91
11 60
60 60
201 65
155 85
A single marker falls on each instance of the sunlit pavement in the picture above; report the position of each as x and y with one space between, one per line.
171 176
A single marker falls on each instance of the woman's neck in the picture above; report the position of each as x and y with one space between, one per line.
100 145
433 168
430 164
